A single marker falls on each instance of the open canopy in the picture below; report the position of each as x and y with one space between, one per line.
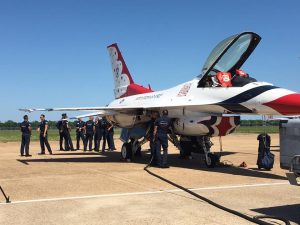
231 53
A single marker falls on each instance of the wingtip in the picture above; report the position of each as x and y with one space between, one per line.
26 110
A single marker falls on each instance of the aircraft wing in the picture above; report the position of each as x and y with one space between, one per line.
64 109
99 111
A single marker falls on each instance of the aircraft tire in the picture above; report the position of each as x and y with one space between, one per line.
213 160
136 150
126 151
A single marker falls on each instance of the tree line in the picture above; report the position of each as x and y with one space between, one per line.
11 125
52 124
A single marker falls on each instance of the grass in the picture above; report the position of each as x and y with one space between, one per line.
15 135
257 129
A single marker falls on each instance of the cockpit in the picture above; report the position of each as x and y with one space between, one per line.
222 67
238 78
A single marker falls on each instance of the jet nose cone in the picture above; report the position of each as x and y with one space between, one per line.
286 105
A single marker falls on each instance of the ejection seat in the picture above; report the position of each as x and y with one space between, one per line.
222 79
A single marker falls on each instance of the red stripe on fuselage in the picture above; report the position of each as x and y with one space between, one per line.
286 105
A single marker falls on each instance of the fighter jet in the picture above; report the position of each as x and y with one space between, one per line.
208 105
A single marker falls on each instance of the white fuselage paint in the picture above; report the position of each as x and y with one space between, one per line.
194 101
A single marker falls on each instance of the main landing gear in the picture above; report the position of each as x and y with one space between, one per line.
132 148
199 144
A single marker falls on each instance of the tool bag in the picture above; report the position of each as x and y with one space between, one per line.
265 158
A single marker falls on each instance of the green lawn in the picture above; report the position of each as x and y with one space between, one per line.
257 129
15 135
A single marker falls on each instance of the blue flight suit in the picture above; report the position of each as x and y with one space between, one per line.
24 126
97 136
66 135
79 133
163 124
152 142
110 139
89 134
44 139
104 124
61 135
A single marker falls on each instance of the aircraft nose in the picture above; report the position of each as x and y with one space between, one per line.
286 105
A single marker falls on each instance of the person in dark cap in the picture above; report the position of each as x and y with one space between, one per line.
43 130
110 137
160 134
154 115
60 131
25 128
97 134
66 133
89 128
79 132
104 124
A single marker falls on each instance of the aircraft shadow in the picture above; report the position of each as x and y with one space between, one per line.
114 157
289 212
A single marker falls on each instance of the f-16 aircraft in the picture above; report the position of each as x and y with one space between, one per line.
208 105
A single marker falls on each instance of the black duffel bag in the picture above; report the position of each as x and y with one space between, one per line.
265 158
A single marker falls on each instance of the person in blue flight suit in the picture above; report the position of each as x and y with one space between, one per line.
110 137
89 128
104 124
60 131
160 133
25 128
79 132
66 134
154 115
97 134
43 130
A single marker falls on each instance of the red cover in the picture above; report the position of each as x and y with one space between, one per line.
224 79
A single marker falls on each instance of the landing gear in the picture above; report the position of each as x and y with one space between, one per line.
130 149
196 144
211 160
136 148
126 151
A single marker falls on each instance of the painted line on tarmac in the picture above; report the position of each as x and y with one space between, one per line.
144 193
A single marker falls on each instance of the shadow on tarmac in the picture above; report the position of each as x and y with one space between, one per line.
289 212
197 163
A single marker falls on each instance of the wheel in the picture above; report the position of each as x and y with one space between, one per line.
126 151
138 152
211 160
136 149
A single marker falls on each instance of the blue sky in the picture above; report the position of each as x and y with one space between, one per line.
53 53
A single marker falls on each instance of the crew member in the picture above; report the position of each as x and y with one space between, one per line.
103 132
60 131
43 130
89 128
25 128
154 115
110 137
66 133
97 134
161 127
79 133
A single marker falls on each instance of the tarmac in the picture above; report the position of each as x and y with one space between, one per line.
92 188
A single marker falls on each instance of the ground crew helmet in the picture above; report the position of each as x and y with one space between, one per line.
165 112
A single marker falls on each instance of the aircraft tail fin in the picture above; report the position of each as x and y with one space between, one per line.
124 84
